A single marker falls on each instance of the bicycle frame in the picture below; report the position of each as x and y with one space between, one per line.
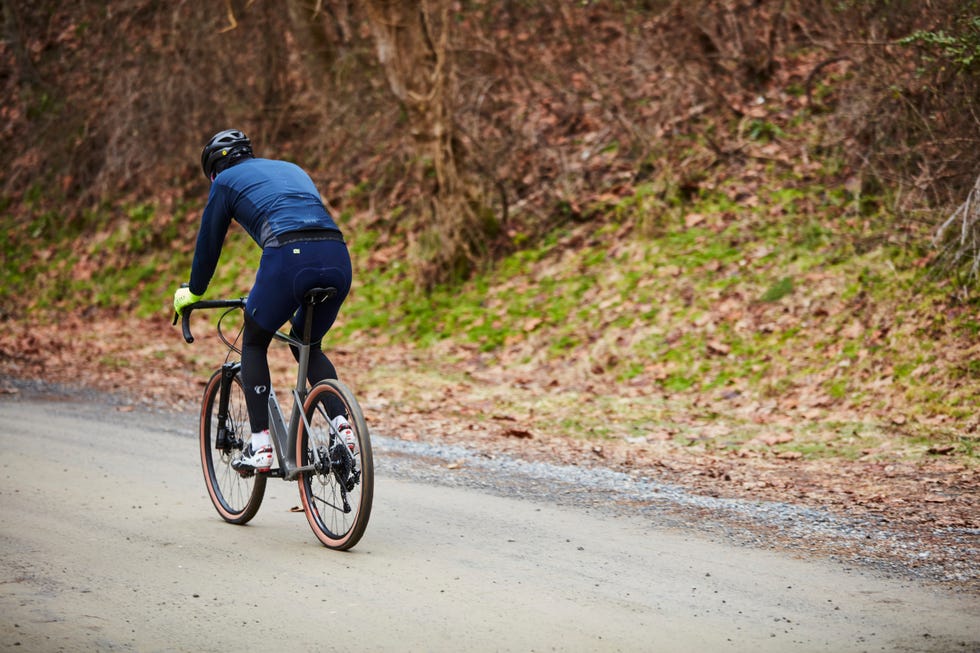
334 470
285 436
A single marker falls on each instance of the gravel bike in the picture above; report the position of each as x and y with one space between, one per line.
336 482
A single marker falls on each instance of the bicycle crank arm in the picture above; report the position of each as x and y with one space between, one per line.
295 472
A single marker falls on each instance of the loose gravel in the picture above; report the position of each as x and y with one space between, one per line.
874 544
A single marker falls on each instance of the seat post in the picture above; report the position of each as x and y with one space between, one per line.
304 349
308 322
311 299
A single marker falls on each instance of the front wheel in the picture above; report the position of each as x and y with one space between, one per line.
224 432
338 493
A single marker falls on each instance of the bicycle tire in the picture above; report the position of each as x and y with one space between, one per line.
322 492
236 497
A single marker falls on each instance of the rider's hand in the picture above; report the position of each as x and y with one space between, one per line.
182 298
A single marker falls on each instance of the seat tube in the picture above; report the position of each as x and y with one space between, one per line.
303 367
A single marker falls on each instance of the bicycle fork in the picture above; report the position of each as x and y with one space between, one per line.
225 439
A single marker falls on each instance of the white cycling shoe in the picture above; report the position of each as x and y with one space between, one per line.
346 432
259 461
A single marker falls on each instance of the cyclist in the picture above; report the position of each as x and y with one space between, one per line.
302 248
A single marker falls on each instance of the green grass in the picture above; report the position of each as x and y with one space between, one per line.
762 299
792 285
126 257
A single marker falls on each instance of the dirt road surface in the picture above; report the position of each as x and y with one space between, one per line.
110 543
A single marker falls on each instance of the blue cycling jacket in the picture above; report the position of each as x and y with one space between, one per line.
268 198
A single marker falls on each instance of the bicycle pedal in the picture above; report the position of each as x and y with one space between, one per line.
247 471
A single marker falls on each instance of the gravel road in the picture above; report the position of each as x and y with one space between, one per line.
110 543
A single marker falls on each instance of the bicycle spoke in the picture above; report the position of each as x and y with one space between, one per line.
328 504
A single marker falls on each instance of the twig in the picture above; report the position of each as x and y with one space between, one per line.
232 23
967 246
816 71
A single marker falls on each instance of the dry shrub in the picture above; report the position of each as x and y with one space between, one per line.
550 110
126 93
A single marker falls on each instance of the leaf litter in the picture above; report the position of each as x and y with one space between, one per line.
551 414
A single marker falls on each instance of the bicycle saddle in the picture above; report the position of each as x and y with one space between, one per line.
319 295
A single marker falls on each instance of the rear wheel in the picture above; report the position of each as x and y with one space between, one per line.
337 495
236 497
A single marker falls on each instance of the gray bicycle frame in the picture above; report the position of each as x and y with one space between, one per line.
286 437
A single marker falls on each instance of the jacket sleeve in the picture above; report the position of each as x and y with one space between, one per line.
210 237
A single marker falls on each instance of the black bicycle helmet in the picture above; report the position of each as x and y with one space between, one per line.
224 148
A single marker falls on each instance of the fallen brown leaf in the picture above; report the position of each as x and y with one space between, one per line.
693 219
721 348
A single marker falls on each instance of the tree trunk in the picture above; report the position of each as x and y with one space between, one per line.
26 72
412 40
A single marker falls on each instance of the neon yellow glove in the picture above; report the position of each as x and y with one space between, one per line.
182 298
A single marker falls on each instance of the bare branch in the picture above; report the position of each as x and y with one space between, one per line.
967 246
